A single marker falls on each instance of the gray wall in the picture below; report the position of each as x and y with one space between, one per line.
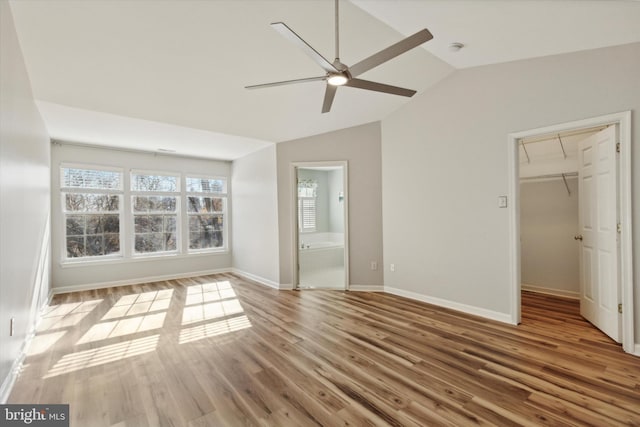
255 215
445 162
24 202
548 223
360 146
128 270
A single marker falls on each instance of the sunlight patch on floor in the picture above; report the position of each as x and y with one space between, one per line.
210 311
146 302
121 327
65 315
99 356
208 292
213 329
43 342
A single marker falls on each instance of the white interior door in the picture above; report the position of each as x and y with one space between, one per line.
599 291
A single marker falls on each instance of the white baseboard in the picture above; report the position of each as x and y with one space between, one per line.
136 281
256 278
469 309
16 367
10 379
550 291
49 297
366 288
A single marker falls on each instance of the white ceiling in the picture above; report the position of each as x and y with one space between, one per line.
171 74
496 31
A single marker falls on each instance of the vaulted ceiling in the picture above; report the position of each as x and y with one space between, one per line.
170 74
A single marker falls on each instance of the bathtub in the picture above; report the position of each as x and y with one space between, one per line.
320 240
321 260
310 247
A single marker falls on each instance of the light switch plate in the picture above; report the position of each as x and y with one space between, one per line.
502 201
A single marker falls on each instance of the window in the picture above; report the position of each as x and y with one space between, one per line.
155 205
307 193
110 214
91 207
206 207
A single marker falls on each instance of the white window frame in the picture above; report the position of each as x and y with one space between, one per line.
79 190
225 218
134 193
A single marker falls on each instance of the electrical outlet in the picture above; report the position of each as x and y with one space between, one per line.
392 267
374 265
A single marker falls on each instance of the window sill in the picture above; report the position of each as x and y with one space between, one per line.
140 258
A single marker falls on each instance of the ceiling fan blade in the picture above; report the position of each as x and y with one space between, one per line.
391 52
329 94
286 82
380 87
289 34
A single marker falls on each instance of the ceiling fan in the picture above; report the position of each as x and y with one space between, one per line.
339 74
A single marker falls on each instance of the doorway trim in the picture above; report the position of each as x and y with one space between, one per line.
623 120
294 214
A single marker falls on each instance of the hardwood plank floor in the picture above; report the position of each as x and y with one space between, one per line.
223 351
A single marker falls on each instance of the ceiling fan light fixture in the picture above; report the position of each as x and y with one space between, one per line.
337 79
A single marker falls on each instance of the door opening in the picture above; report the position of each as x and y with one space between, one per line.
320 225
587 168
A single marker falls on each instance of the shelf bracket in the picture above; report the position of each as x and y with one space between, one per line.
564 153
564 178
525 151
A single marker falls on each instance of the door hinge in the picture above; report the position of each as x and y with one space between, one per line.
617 147
619 228
620 308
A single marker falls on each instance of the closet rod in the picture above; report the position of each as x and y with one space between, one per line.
551 175
555 175
563 134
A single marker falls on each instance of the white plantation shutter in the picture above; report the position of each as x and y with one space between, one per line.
307 214
307 192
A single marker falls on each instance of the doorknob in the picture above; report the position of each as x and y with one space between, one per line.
578 237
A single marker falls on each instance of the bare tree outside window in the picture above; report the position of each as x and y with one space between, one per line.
93 200
155 211
206 200
92 219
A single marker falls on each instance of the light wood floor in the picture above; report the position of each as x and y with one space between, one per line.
222 351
